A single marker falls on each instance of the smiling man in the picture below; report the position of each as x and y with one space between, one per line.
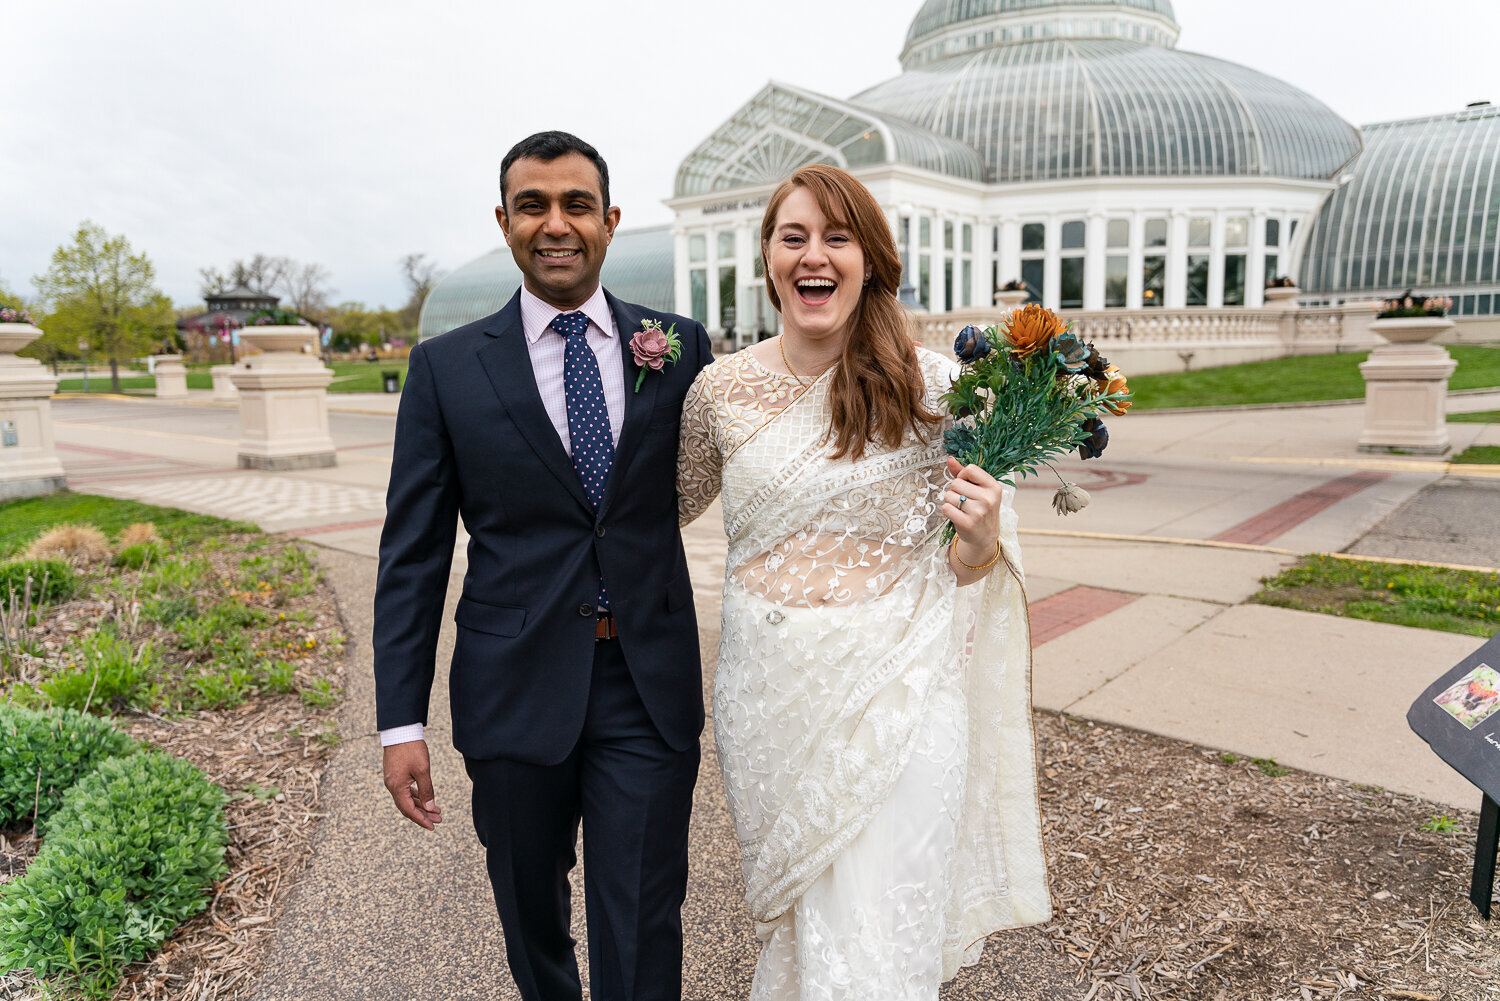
575 681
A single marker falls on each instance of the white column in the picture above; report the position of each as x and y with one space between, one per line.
711 270
1010 249
1177 250
283 402
1255 266
938 303
1216 262
1052 267
29 465
1133 284
1094 239
682 293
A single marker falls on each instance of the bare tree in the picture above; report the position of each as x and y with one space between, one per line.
211 281
262 272
306 288
421 275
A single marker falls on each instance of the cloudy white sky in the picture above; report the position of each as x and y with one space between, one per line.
352 132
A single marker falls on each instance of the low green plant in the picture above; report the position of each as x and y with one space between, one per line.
220 688
320 694
168 611
176 577
129 856
1228 758
291 572
107 672
1270 768
261 792
218 626
280 677
138 556
1455 601
1439 824
42 753
50 581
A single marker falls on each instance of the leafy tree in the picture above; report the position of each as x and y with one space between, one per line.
99 292
354 324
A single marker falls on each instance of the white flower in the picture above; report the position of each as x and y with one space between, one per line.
1070 497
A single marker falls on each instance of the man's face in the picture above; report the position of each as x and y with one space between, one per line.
557 227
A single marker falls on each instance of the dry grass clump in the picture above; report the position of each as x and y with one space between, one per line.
138 534
74 543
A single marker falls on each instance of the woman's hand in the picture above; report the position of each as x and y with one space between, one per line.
972 502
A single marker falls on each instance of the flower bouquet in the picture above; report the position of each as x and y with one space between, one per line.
8 315
1413 305
1029 391
275 316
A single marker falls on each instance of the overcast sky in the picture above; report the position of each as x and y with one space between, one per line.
352 133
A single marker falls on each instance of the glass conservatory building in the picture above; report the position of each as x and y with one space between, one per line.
1070 144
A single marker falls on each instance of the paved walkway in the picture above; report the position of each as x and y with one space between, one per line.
1138 608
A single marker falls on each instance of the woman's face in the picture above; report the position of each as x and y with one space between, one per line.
817 267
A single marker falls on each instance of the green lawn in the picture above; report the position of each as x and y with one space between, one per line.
22 520
1482 455
1477 417
1294 380
1454 601
348 377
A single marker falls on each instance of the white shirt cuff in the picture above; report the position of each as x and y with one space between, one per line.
401 734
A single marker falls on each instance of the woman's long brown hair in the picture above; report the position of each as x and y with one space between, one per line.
877 392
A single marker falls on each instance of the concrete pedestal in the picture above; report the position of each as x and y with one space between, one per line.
224 390
171 377
1282 297
1011 301
1406 388
28 458
283 402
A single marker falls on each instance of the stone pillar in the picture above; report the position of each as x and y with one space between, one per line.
1095 254
171 377
224 390
28 458
283 402
1176 278
1406 388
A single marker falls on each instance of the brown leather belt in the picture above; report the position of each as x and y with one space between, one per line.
605 630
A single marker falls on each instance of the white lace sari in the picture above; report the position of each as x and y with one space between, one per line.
873 720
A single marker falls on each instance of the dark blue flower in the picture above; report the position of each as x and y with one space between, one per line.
1070 352
972 344
1098 437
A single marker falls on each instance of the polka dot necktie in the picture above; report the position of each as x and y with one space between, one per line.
588 416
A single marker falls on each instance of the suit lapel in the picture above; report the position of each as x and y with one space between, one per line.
638 406
507 363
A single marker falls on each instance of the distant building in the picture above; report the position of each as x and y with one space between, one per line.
211 333
1072 145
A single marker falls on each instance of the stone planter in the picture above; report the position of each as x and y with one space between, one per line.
171 377
1282 297
1011 301
28 456
224 391
283 402
1406 387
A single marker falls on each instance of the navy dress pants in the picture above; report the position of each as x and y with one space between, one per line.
633 795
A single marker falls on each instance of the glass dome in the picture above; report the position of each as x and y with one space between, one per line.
637 268
1419 209
963 21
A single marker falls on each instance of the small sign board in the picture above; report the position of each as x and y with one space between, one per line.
1459 717
8 434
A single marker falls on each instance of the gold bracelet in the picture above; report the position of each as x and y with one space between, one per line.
982 566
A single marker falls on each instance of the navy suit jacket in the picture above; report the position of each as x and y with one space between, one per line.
474 441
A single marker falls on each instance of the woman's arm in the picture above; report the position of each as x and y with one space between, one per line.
972 502
699 460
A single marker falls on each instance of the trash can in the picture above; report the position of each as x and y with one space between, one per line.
392 381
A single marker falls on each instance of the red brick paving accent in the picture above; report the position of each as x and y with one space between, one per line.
343 526
1067 610
1289 514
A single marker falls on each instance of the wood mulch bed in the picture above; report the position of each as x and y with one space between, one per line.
269 754
1181 873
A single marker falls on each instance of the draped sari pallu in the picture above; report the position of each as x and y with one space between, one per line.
844 638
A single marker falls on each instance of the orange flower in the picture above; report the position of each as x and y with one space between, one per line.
1114 382
1031 330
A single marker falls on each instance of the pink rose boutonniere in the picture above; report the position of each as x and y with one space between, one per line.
653 347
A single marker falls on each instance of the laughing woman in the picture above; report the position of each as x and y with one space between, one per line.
872 705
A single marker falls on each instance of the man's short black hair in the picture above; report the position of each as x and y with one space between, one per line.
548 146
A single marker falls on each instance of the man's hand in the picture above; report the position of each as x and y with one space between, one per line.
408 777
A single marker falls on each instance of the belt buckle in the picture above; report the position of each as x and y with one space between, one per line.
605 628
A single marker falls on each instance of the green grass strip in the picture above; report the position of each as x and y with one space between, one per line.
1476 417
1294 380
23 520
1479 455
1454 601
348 377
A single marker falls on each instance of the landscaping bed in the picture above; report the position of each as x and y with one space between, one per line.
212 643
1455 601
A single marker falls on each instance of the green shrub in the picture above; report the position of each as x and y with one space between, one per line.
176 577
138 556
109 673
127 858
61 583
280 677
220 688
168 611
222 626
320 694
61 746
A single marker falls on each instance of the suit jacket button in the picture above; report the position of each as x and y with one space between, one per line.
599 532
585 610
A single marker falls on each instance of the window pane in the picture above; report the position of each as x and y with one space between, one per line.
726 244
924 282
1071 283
1234 279
924 231
1272 260
1483 308
1236 231
1034 236
698 282
1200 230
1119 233
968 239
1153 281
1072 235
697 248
947 235
1115 271
1273 232
726 298
1197 280
1156 232
967 293
995 239
1031 274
